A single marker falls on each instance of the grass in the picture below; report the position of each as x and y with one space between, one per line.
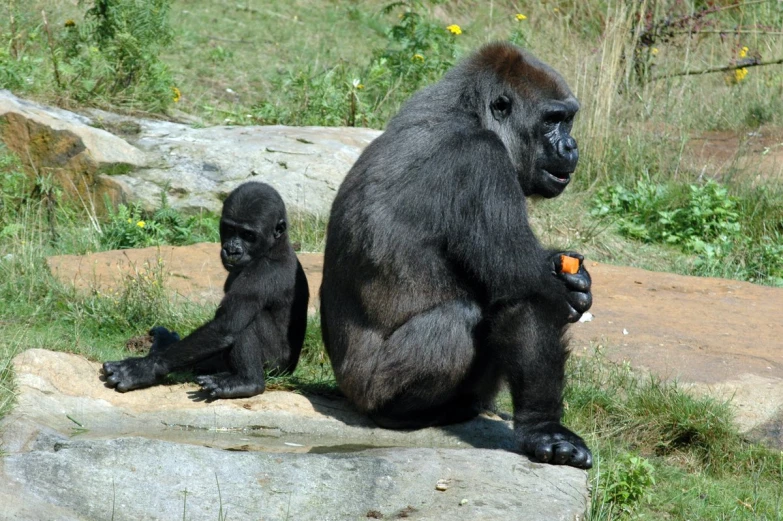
660 452
703 468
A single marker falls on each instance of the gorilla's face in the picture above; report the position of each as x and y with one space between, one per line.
556 152
252 223
530 107
238 241
539 142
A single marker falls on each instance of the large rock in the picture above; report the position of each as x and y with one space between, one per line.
194 167
198 167
78 450
62 144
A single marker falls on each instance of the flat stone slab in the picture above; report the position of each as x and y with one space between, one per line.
137 160
133 479
75 449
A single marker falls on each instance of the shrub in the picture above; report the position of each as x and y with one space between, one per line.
629 482
722 230
127 226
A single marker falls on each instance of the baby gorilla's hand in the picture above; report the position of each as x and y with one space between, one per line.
133 373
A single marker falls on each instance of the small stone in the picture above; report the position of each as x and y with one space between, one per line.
463 502
442 485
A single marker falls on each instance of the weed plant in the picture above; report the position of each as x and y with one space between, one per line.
706 220
127 226
417 52
110 56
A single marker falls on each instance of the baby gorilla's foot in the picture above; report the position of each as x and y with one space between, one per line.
227 385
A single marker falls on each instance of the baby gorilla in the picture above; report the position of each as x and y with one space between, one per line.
260 323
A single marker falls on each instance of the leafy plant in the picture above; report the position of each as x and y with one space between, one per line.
418 52
705 220
630 480
704 214
127 226
114 53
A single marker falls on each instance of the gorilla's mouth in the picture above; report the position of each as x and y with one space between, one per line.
559 177
230 263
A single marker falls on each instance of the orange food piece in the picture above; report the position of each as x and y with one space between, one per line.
569 264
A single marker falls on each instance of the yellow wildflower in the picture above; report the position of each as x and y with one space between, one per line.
743 52
454 29
654 51
739 74
418 57
557 10
521 17
141 224
70 23
129 220
177 94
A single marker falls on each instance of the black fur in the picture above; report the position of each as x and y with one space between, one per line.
435 289
261 320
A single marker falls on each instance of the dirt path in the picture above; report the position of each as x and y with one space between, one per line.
720 336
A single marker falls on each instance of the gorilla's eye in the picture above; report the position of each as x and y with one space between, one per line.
556 117
280 228
501 107
247 236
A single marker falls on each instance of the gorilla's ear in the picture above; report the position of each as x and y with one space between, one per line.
280 228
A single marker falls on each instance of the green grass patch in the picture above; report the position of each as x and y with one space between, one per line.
734 236
662 452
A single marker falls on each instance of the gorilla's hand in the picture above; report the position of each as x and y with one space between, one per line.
162 338
579 298
133 373
550 442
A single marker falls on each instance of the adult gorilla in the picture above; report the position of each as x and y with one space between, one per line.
260 323
435 289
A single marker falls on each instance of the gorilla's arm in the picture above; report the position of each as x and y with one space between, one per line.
237 311
490 236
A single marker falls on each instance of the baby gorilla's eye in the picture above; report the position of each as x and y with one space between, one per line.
247 236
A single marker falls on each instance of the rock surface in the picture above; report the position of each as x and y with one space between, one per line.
195 167
717 336
63 144
78 450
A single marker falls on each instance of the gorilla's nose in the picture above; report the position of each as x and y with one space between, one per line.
232 253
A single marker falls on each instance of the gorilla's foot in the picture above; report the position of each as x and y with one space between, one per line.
550 442
227 385
132 373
